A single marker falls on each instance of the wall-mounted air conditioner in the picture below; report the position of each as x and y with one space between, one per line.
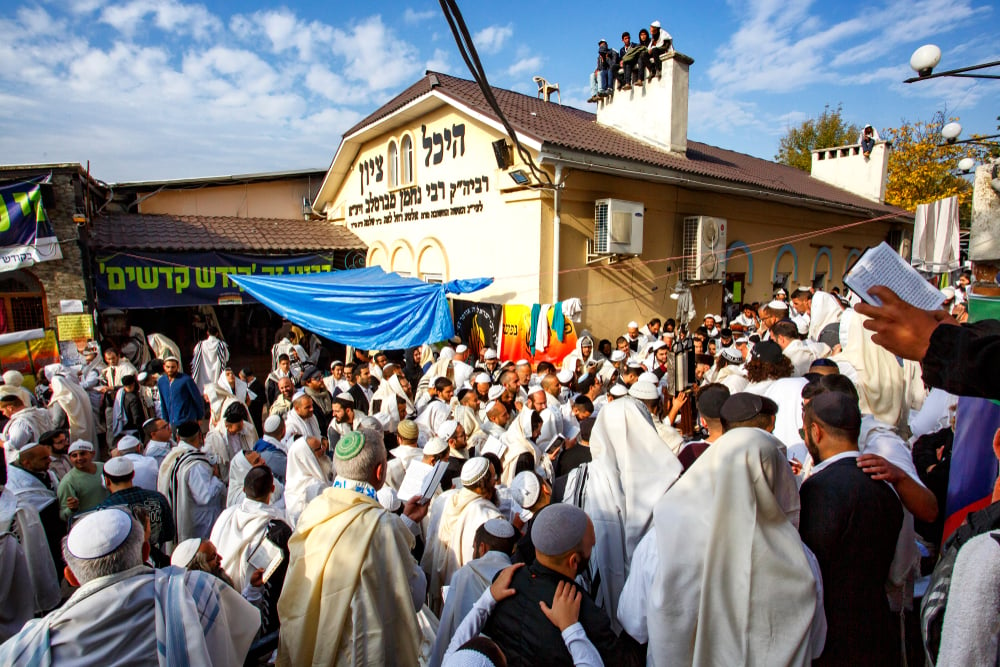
704 248
617 227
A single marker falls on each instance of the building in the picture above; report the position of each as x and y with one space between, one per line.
432 184
34 283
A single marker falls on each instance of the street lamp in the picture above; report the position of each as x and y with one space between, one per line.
966 164
951 131
926 58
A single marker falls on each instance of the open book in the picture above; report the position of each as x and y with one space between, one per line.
882 265
266 556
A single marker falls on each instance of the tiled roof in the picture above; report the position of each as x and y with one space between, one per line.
199 232
557 126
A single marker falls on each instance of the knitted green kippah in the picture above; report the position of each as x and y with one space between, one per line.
349 446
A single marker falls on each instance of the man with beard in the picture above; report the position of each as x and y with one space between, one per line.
158 439
282 402
191 483
312 385
181 401
564 539
58 441
200 555
345 418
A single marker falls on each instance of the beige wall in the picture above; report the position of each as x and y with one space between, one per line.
459 216
274 199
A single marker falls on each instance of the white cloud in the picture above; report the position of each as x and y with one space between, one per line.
528 65
440 62
492 38
168 15
709 111
412 16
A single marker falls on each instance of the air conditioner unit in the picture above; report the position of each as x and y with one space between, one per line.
617 227
704 248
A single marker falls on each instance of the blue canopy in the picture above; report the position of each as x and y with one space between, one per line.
365 308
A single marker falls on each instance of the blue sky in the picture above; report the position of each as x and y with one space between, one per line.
150 89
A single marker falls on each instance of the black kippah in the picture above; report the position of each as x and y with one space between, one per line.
188 429
837 409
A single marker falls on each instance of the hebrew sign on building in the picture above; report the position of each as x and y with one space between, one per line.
26 236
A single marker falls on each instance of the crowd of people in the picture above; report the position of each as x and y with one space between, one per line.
634 64
762 489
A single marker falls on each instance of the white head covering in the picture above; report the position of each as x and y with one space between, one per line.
618 390
777 305
272 423
118 466
305 476
435 446
824 310
99 533
185 552
80 445
495 392
525 489
474 470
483 378
499 528
13 378
644 390
703 607
490 353
447 429
128 443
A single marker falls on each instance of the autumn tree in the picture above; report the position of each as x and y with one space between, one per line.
923 168
830 129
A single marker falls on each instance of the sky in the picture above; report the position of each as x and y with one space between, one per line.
161 89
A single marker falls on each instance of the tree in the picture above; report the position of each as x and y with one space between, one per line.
922 168
829 130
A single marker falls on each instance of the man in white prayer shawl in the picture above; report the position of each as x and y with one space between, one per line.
210 357
454 517
163 347
724 578
438 410
73 401
26 424
191 484
195 618
353 590
145 467
232 435
300 420
786 334
239 467
309 472
30 583
631 470
12 384
405 453
494 543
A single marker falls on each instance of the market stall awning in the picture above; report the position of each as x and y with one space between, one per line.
365 308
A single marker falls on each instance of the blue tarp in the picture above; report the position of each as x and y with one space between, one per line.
365 308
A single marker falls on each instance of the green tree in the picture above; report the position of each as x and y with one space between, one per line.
923 168
830 129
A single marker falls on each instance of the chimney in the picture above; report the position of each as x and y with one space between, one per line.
656 112
848 169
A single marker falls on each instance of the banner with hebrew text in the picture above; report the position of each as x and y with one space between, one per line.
26 236
134 280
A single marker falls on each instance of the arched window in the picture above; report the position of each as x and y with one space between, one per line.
406 148
22 302
393 165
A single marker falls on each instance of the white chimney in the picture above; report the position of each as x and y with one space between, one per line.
656 112
848 169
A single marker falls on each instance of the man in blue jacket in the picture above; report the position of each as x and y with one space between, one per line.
179 396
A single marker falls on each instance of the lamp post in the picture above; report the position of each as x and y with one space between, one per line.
926 58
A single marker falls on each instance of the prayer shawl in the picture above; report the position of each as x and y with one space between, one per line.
518 441
463 373
874 370
158 450
238 530
163 347
631 469
346 598
210 357
440 368
29 490
283 346
238 469
117 425
733 585
217 444
322 399
970 634
801 357
297 426
466 587
74 401
787 393
455 518
432 416
734 377
467 417
39 589
198 620
177 485
112 375
306 478
34 421
823 311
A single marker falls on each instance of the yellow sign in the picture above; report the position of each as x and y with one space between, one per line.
75 327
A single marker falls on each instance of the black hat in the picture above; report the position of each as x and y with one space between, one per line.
726 333
767 351
837 409
710 400
310 373
188 429
744 406
234 414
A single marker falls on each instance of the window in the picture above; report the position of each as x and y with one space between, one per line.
406 148
819 282
393 165
22 304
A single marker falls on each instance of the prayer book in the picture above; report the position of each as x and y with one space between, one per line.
266 556
421 480
882 265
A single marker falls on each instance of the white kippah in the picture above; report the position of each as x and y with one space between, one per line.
461 348
565 376
632 325
272 423
474 470
617 356
185 552
525 489
558 528
644 390
28 445
649 377
534 389
523 362
618 390
80 445
388 497
99 533
128 442
489 354
499 528
495 392
434 447
142 377
119 466
777 305
302 392
447 429
733 355
483 378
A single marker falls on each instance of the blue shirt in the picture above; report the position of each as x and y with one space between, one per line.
180 399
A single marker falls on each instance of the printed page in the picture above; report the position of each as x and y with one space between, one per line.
413 482
882 265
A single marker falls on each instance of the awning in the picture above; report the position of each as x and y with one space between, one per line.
365 308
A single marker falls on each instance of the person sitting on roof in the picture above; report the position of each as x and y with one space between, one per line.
867 139
604 74
633 65
660 42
